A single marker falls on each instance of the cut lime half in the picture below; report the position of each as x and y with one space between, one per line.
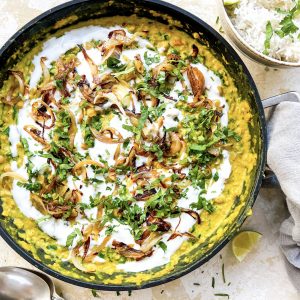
244 242
231 2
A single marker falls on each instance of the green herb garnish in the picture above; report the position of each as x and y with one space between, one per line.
269 34
162 245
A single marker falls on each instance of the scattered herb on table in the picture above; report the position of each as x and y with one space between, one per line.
222 295
223 273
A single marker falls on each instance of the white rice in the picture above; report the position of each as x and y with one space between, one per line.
250 18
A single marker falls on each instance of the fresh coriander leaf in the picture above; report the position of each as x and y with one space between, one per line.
126 143
288 25
151 59
59 84
72 236
109 230
43 219
223 273
30 186
222 295
94 293
115 64
203 203
216 176
269 34
162 245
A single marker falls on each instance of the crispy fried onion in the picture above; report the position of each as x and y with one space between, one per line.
101 97
162 225
145 195
153 132
56 209
96 249
167 65
92 65
195 51
197 81
129 159
176 234
106 81
138 64
80 264
113 46
36 134
130 252
13 175
108 135
86 162
65 71
192 213
72 129
148 240
41 112
172 145
17 88
46 73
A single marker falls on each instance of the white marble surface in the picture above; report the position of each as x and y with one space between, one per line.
262 275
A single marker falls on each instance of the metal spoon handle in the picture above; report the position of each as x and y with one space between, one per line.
56 297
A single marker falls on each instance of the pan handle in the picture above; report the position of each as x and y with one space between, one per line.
289 96
269 178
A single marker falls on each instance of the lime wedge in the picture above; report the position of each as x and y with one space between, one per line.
244 242
231 2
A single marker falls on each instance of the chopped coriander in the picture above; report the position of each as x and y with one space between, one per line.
71 237
156 150
30 186
115 64
216 176
94 293
59 84
15 113
162 245
151 59
223 273
109 230
126 143
203 204
287 24
65 100
269 34
222 295
52 247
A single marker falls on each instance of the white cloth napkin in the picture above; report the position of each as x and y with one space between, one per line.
284 159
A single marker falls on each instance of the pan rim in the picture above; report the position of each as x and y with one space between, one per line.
172 9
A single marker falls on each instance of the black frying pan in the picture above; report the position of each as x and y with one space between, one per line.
37 29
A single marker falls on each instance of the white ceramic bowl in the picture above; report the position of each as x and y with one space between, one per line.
247 49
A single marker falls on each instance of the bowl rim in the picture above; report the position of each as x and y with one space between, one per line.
248 46
176 10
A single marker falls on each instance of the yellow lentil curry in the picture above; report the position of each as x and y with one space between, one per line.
124 152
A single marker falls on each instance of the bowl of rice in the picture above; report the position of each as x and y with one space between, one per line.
267 31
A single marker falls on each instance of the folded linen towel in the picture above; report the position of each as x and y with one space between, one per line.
284 159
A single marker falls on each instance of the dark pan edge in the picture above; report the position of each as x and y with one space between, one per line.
171 10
